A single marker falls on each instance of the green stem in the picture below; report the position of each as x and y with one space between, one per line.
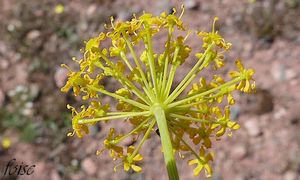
130 114
151 58
138 65
165 74
123 56
172 72
190 104
126 82
189 77
190 118
132 131
170 162
166 61
144 139
121 98
187 145
229 83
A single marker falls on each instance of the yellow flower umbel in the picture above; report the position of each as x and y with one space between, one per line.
186 122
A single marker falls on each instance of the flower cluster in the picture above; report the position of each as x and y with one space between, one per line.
187 123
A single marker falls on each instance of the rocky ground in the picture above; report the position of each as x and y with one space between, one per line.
37 36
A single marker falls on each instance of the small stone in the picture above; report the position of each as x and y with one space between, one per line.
34 34
294 114
3 47
162 6
51 44
239 152
206 7
4 64
280 113
11 27
60 77
93 130
290 175
58 150
216 176
92 148
252 128
40 171
91 10
74 162
78 176
259 103
27 111
124 15
54 175
281 73
191 4
89 166
290 74
278 71
34 91
240 177
15 57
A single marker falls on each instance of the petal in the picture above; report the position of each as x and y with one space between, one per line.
196 140
193 161
117 149
227 112
94 42
241 85
234 74
247 86
126 166
130 149
78 133
138 157
198 169
239 65
136 168
233 125
221 132
208 170
209 156
67 87
85 129
207 142
230 99
214 126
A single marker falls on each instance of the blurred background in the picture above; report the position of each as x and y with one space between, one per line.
37 36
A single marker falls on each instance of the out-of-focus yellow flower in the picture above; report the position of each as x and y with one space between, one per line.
59 8
6 143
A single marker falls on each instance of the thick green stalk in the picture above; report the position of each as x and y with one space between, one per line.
170 162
